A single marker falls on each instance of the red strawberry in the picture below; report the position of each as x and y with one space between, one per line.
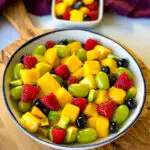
50 44
58 1
29 62
90 44
93 15
93 6
50 101
66 15
58 135
123 82
62 71
107 109
29 93
80 102
72 80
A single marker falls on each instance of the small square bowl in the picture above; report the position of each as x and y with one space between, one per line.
78 23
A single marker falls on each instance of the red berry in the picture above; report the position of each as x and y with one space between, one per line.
29 93
58 135
66 15
90 44
107 109
93 15
123 82
59 1
72 80
50 101
80 102
62 71
93 6
29 62
50 44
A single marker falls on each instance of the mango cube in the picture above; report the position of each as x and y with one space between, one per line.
60 8
41 59
102 97
91 109
63 96
73 63
92 55
91 67
79 73
91 122
48 84
63 60
69 2
75 46
56 63
37 112
44 122
30 76
71 111
76 15
117 95
85 10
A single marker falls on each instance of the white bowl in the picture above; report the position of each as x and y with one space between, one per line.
81 35
79 24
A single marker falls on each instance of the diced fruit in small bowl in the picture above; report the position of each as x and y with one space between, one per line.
80 92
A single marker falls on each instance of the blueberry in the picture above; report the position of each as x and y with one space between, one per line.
131 103
113 128
78 5
53 71
105 69
22 58
112 79
63 42
123 63
87 18
81 121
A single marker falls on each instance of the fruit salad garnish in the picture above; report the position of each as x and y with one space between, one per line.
73 92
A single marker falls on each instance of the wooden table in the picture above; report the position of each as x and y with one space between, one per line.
12 138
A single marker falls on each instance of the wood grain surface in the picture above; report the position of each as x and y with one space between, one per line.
12 138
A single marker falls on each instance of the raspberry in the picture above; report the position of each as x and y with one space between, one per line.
123 82
50 101
50 44
80 102
93 15
107 109
58 135
59 1
62 71
93 6
66 15
29 93
29 62
90 44
72 80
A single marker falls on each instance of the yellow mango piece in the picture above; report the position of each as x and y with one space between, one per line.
88 2
43 67
102 97
117 95
102 126
30 122
73 63
51 55
76 15
48 84
92 55
71 111
30 76
85 10
90 110
91 122
63 60
75 46
110 63
91 67
63 96
60 8
40 95
41 59
57 62
37 112
89 81
69 2
44 122
79 73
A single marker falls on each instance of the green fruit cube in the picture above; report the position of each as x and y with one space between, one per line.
63 122
16 83
54 115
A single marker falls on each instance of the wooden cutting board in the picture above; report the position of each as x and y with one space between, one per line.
12 138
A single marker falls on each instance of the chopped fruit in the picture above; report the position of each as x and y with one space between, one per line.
93 14
37 112
102 97
63 96
69 2
29 62
44 122
91 122
131 92
50 44
75 46
50 86
62 71
74 112
29 93
91 67
30 76
92 55
80 102
72 80
63 60
54 115
39 50
60 8
90 44
76 15
117 95
73 63
56 63
102 126
50 101
93 6
92 95
16 71
43 131
59 1
123 82
81 121
63 122
58 135
107 109
66 15
30 122
88 2
85 10
79 73
90 109
15 83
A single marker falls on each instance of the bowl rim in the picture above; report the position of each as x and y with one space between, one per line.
64 146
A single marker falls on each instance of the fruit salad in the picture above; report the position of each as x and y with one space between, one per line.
73 92
77 10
